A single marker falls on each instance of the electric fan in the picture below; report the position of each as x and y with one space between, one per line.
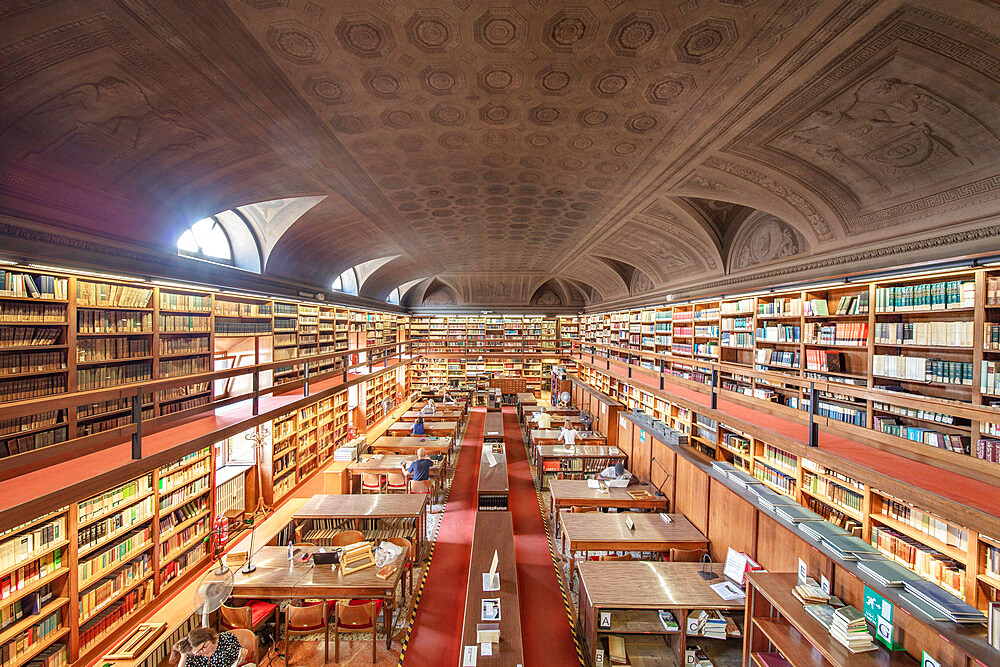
214 588
565 398
586 419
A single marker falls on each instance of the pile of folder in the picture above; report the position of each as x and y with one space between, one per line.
887 573
944 602
850 629
345 454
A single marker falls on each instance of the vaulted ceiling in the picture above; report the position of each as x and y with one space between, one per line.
519 152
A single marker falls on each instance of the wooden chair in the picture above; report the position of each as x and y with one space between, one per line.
248 641
582 510
345 537
615 557
371 483
307 620
687 555
395 482
252 616
355 616
420 486
410 557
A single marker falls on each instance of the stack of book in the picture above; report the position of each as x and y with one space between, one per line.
941 600
743 479
796 513
668 620
850 629
849 547
769 499
810 594
887 573
345 454
818 530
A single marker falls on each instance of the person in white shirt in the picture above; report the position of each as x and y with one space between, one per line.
617 471
543 419
568 435
448 399
429 408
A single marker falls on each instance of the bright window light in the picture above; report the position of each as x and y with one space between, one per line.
206 239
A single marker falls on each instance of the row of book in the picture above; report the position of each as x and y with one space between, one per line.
992 561
832 491
30 313
171 480
31 422
111 499
856 304
826 361
781 358
128 517
114 321
840 333
285 324
922 369
928 436
774 478
926 523
903 411
186 492
185 302
96 597
737 339
110 349
96 566
780 334
927 296
184 324
780 457
728 324
27 605
182 514
28 336
169 368
734 307
184 538
113 375
835 516
56 655
107 294
988 449
181 392
780 307
32 571
839 412
27 443
25 641
178 566
928 563
707 331
108 423
185 345
957 333
706 349
32 362
179 406
238 328
28 544
34 286
17 389
241 309
736 442
107 620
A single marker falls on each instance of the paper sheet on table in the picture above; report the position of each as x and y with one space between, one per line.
492 459
727 590
593 484
469 656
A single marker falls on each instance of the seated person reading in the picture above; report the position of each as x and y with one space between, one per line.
204 647
568 434
543 419
418 427
448 399
617 471
420 468
429 408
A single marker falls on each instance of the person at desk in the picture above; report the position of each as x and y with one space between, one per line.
448 399
617 471
420 469
418 427
429 408
543 419
568 434
205 647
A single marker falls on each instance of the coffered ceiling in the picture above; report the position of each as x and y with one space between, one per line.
514 153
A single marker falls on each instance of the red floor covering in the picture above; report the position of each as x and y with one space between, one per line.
545 632
968 491
437 628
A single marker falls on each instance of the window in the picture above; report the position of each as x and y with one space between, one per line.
393 297
347 282
206 239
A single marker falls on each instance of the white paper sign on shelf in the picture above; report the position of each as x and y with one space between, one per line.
491 579
469 656
486 649
727 590
736 564
803 571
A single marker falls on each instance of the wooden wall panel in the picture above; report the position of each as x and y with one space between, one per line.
641 453
732 522
625 428
662 472
779 550
691 494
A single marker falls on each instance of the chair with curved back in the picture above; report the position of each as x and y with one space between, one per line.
371 483
307 620
248 642
395 482
410 557
576 509
355 616
687 555
252 616
345 537
614 557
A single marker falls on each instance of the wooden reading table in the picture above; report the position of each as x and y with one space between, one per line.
494 532
588 457
408 445
493 427
493 484
275 579
448 428
528 412
550 436
633 592
576 493
363 506
440 415
596 531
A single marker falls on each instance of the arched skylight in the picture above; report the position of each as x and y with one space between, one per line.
206 239
347 282
393 297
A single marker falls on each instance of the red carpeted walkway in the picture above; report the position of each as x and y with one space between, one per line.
968 491
545 632
436 636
